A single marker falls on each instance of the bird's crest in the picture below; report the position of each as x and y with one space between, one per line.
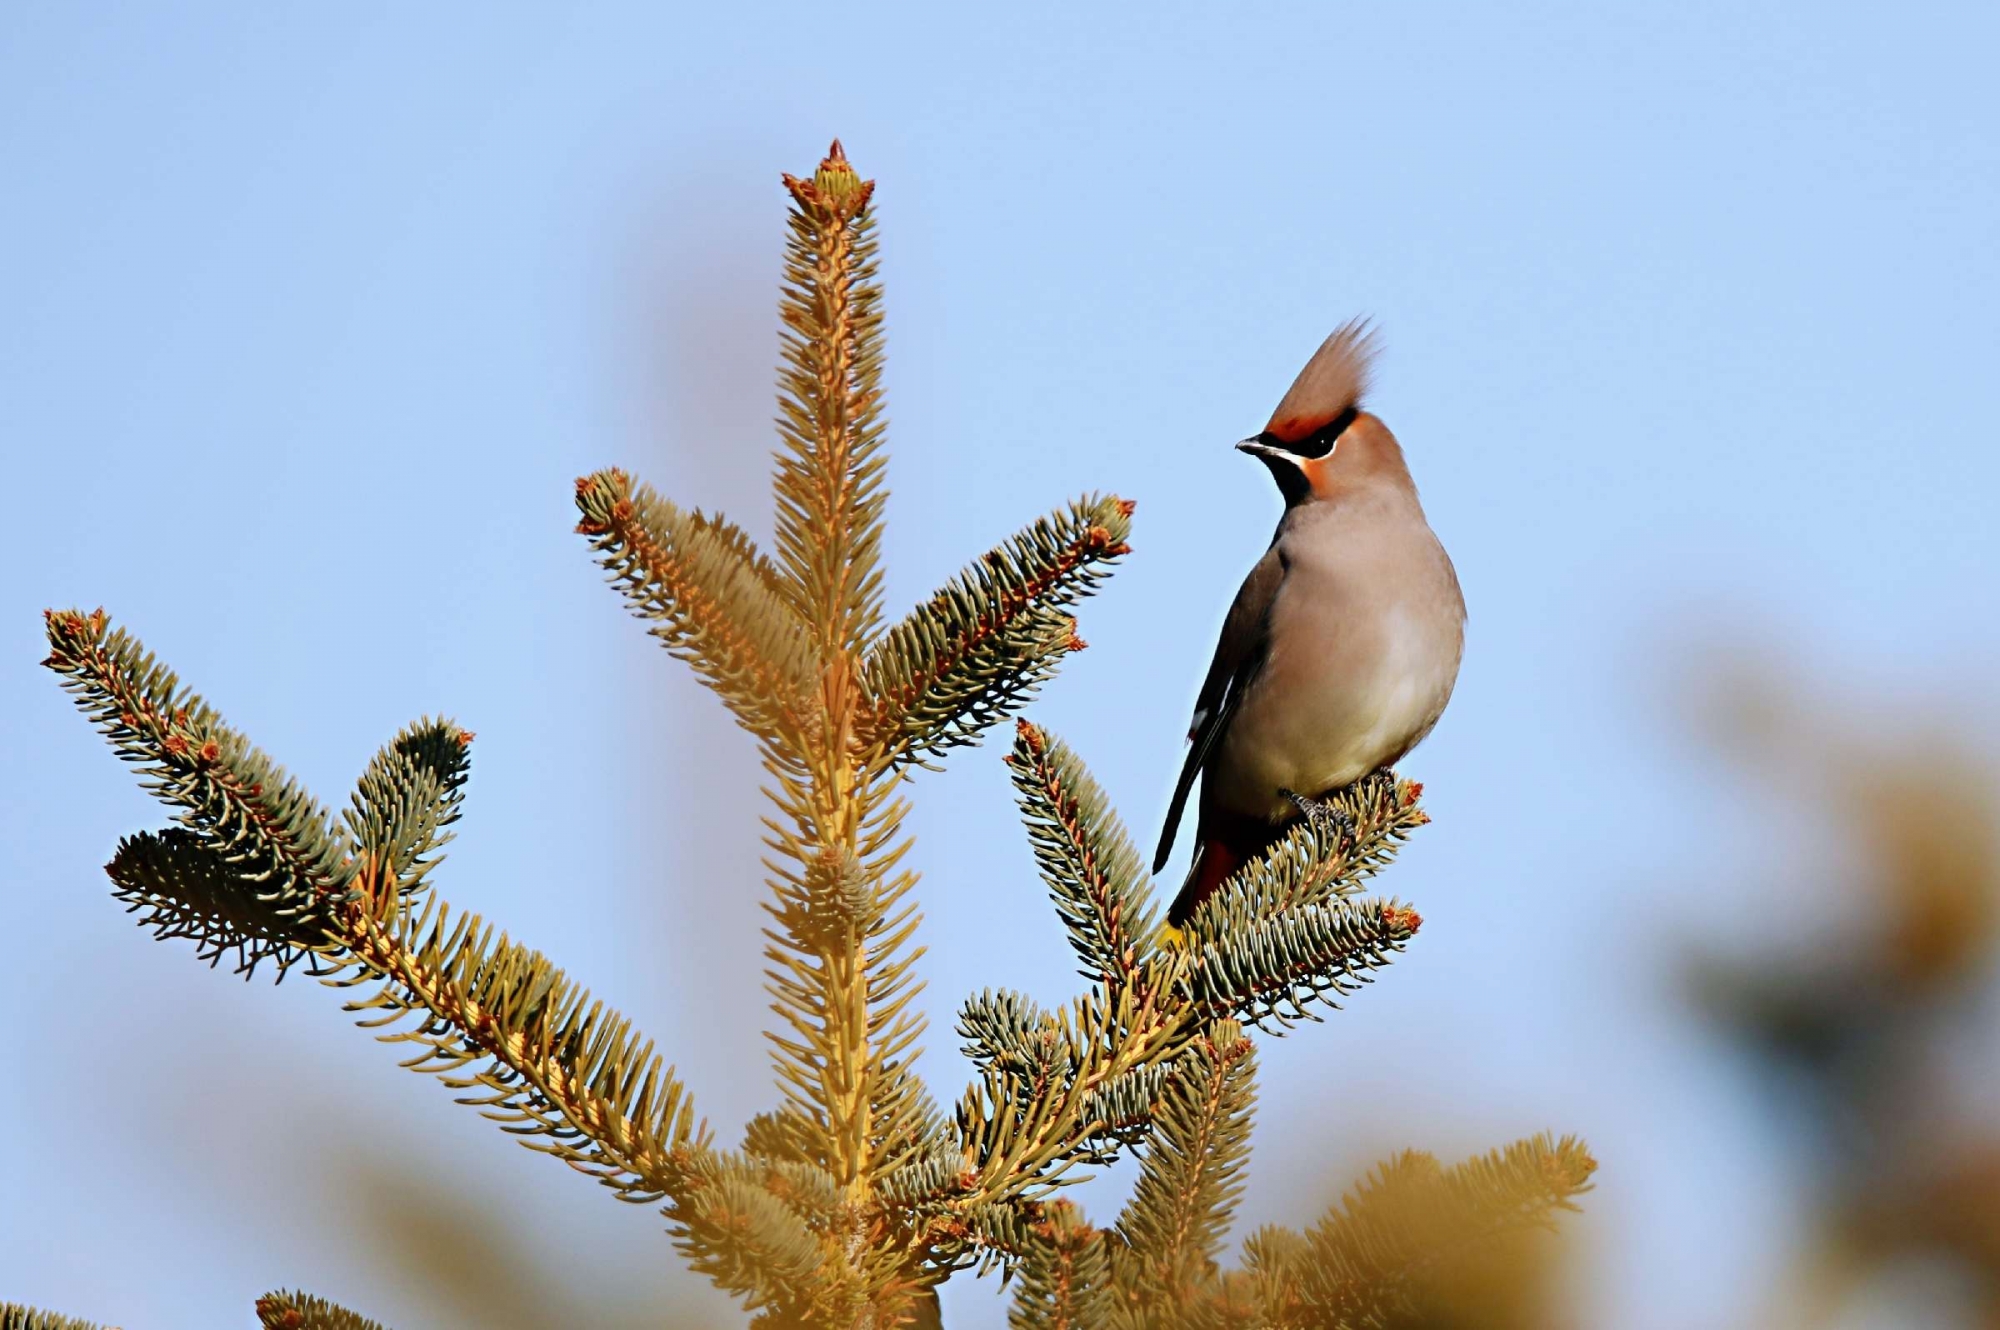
1330 386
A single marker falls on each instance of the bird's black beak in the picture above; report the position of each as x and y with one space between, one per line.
1284 465
1259 447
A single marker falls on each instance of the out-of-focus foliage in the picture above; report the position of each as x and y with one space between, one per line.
13 1316
286 1310
474 1262
1861 1032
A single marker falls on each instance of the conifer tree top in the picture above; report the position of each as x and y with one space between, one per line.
859 1191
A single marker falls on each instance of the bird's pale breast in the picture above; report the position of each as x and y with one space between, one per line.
1365 647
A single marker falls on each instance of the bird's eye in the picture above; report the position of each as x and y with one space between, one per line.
1322 441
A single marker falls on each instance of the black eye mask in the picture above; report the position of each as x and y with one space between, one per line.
1318 443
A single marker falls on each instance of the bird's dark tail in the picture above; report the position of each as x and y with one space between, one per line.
1213 862
1221 849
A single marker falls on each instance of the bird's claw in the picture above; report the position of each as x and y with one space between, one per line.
1322 813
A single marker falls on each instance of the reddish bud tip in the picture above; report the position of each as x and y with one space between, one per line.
583 484
589 528
1415 792
465 738
835 188
210 751
175 744
1403 917
1127 506
621 511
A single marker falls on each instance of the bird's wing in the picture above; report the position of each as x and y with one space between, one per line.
1237 656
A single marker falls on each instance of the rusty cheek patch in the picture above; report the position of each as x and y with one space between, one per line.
1319 474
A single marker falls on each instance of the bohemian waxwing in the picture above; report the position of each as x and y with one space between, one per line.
1342 646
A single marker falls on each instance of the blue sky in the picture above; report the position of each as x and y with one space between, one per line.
312 314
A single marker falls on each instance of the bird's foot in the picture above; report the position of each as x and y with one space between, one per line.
1322 813
1384 780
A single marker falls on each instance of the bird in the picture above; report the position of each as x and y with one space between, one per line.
1342 647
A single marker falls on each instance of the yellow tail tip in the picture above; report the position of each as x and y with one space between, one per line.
1173 937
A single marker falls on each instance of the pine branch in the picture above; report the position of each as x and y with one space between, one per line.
928 1184
1033 1054
1193 1174
1264 970
1065 1275
829 479
277 841
1369 1261
1273 1258
1230 1303
1316 863
842 973
710 596
13 1316
257 869
1272 973
301 1311
1093 872
411 793
987 640
1032 1115
1034 1064
530 1047
842 953
746 1239
1027 1053
1000 1028
1121 1111
181 887
998 1235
